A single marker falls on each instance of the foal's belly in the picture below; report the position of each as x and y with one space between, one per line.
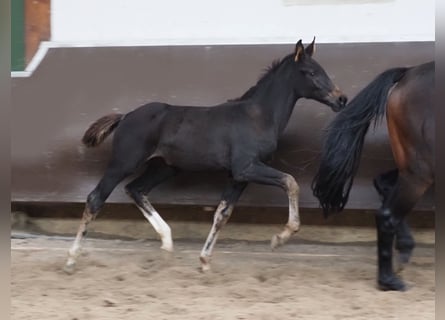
195 157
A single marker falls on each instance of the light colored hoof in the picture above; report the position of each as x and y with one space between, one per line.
168 248
276 242
69 268
167 243
205 264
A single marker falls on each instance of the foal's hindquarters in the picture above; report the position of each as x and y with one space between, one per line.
129 153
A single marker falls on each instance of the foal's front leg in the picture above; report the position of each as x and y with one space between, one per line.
230 196
260 173
293 222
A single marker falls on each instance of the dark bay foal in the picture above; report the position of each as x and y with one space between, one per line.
237 136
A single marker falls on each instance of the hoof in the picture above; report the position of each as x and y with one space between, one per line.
168 248
205 264
205 268
404 257
167 243
402 260
69 268
391 284
276 242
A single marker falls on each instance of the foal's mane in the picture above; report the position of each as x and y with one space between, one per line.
267 75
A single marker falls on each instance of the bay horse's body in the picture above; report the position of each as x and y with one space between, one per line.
406 96
238 136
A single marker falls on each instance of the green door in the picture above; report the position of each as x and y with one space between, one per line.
17 35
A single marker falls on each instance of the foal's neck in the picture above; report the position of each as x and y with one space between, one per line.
276 99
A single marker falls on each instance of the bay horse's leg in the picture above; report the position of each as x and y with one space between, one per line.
384 183
403 197
156 172
263 174
113 175
230 196
404 244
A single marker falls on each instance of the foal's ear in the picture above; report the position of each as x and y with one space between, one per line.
299 50
310 49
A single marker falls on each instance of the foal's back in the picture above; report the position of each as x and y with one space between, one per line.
198 138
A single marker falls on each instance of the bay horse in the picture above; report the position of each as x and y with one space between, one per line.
405 95
238 136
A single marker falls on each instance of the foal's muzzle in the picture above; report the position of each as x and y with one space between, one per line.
337 100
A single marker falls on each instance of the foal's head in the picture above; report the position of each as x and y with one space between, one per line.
312 82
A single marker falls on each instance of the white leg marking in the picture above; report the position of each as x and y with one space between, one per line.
222 214
293 223
73 252
160 226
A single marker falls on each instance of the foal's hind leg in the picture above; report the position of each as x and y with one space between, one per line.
260 173
230 196
114 174
156 172
384 183
407 191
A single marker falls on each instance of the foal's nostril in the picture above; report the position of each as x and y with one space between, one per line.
343 99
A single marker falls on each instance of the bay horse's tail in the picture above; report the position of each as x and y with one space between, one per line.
343 144
101 129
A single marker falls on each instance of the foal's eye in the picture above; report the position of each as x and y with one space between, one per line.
308 73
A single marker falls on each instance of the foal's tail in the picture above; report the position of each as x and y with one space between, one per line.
343 144
101 129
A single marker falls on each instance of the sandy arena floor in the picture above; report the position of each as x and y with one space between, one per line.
119 279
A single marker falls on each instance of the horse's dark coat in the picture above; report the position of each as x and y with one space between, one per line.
406 96
238 136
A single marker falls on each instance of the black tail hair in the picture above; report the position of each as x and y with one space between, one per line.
101 129
340 157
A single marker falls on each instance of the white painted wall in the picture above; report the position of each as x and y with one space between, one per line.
175 22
